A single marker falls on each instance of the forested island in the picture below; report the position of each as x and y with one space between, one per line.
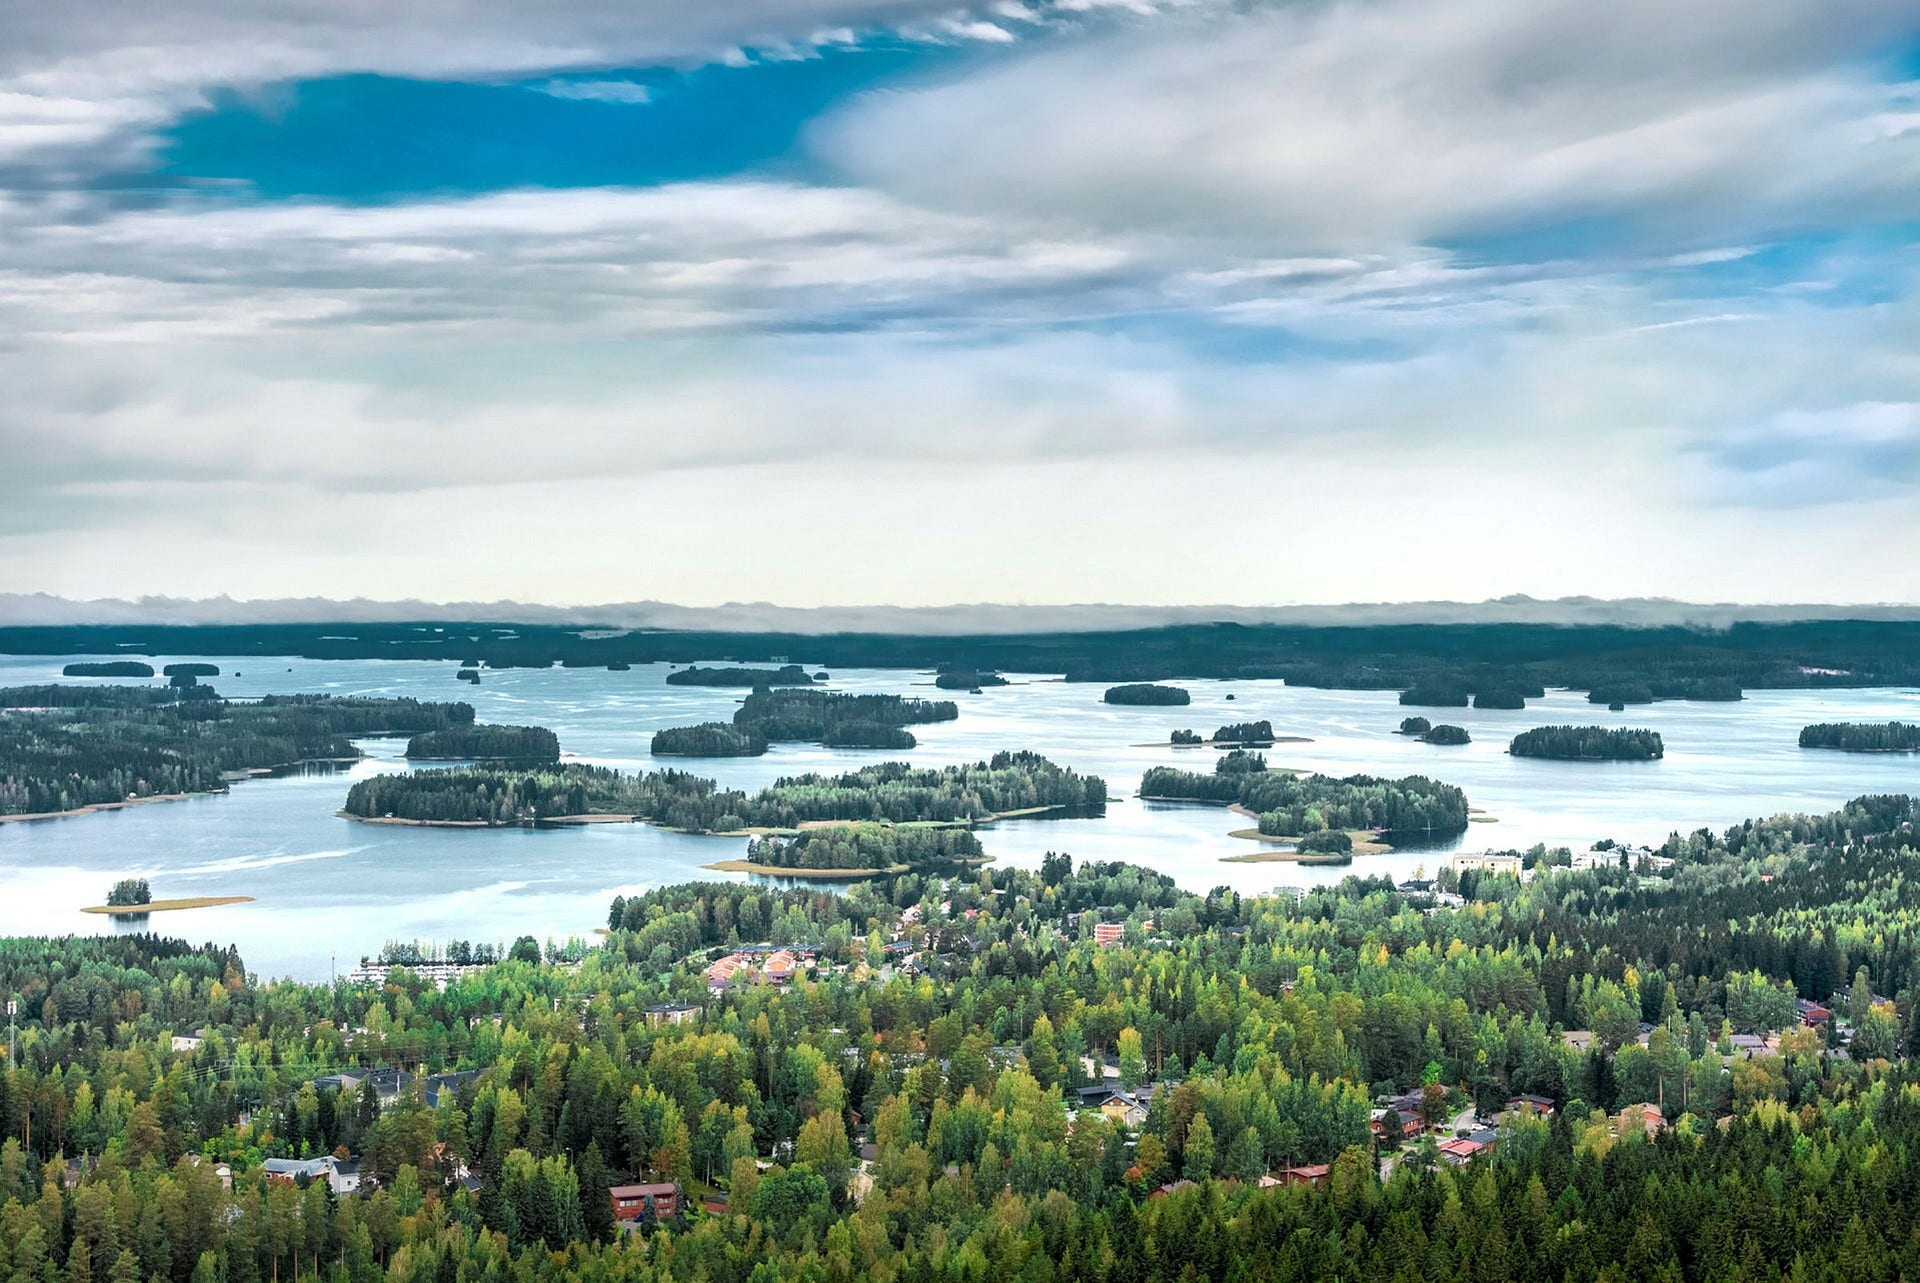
1446 734
106 749
1415 726
482 742
1291 805
1863 737
1147 693
110 668
1435 695
1621 693
1505 699
1246 734
709 739
863 848
890 792
949 1024
967 679
788 675
1588 744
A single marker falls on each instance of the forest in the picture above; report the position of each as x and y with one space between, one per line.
891 792
1863 737
1147 693
867 846
887 1121
1292 805
100 748
1588 744
482 742
813 716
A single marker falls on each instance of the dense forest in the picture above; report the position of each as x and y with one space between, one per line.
909 1106
867 846
789 675
1863 737
709 739
1588 744
101 748
1291 805
1147 693
891 792
481 742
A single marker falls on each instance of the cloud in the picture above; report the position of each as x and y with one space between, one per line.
615 91
1310 129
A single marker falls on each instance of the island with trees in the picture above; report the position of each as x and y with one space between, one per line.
1446 734
1863 737
829 718
860 849
1414 726
112 746
108 668
967 679
1148 693
1504 698
128 892
485 742
709 739
892 792
1435 695
1621 693
194 670
1588 744
786 675
1293 805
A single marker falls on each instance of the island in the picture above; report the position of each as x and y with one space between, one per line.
828 718
1621 693
110 668
789 675
709 739
1863 737
73 750
1010 783
1588 744
1435 696
858 850
1293 806
485 743
1500 698
967 679
1446 734
1415 726
191 670
1147 693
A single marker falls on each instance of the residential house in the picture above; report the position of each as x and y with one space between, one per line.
1301 1174
671 1013
1109 932
342 1175
630 1201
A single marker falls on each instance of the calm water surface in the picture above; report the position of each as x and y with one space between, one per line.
328 888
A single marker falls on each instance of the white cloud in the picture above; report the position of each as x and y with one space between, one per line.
615 91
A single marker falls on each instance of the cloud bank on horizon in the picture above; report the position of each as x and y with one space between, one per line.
837 301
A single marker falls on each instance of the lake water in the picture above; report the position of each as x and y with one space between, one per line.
330 889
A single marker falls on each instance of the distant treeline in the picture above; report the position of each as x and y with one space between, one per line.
1147 693
132 747
1295 805
790 675
486 743
1863 737
1750 656
866 846
1588 743
889 791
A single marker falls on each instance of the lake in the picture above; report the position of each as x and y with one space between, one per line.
329 890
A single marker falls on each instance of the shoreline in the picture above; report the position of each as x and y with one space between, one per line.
1278 739
231 777
610 817
1365 842
166 906
782 871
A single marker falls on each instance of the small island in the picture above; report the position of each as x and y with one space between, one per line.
1446 734
709 739
827 718
1863 737
1435 696
968 680
1508 698
1291 808
1414 726
133 897
191 670
1621 693
110 668
485 743
1147 693
858 850
1588 744
694 675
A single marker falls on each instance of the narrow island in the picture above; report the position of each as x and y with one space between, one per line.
858 851
1621 693
192 670
483 742
133 897
1009 784
1588 744
110 668
1434 695
1147 693
73 750
1500 698
694 675
1235 735
827 718
968 679
1863 737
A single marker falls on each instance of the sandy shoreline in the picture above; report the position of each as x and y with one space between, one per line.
163 906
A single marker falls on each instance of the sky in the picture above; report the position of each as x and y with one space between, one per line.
840 302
